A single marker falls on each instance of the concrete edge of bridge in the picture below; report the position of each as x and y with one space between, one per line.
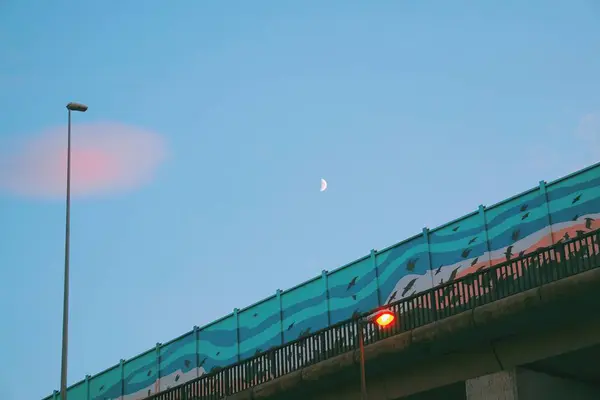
494 334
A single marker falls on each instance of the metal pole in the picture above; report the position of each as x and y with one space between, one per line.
363 378
65 328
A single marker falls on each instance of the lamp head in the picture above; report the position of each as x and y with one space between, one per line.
383 318
77 107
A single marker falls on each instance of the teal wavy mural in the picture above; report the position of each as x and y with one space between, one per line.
106 385
537 218
304 309
260 327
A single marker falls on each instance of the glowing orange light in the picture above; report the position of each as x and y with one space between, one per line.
385 318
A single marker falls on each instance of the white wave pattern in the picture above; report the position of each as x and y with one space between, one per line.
164 383
424 282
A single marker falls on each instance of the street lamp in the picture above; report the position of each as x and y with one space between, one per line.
65 328
382 318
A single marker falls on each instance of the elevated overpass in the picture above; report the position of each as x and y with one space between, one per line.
427 278
526 328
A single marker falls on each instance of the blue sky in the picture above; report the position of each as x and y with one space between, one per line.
415 112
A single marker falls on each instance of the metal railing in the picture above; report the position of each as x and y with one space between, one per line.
481 287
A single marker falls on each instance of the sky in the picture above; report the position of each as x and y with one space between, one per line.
197 166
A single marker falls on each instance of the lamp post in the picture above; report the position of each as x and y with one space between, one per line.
65 328
382 318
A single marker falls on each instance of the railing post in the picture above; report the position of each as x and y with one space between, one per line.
576 256
427 250
183 392
430 268
540 265
485 233
544 194
273 365
157 384
322 346
495 292
122 368
237 332
87 387
227 384
197 350
595 247
432 305
532 273
55 395
278 295
373 257
325 279
562 265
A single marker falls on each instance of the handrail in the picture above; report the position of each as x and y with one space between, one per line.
486 285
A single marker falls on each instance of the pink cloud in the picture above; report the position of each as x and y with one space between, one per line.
105 158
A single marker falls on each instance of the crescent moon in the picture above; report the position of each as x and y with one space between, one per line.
323 185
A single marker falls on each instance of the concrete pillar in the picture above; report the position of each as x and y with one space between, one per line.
537 385
499 386
524 384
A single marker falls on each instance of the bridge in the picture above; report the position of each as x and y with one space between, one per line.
501 300
528 326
